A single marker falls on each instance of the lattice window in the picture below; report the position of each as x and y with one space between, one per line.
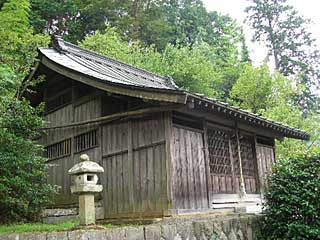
85 141
58 150
218 146
247 155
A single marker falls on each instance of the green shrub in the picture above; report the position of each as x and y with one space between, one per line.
23 187
293 199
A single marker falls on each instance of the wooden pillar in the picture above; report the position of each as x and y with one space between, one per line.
242 183
130 167
207 162
169 158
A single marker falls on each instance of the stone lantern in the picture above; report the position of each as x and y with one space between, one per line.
85 185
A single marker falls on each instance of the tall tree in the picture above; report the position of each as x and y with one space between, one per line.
18 43
23 188
289 42
155 23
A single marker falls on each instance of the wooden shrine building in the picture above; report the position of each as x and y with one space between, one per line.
165 151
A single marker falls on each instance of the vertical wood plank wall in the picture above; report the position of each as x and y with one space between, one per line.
134 154
188 176
134 186
59 167
266 158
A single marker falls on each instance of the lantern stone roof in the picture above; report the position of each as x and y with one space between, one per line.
117 77
85 166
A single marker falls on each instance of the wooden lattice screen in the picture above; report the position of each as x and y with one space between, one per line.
249 162
224 162
85 141
58 150
221 164
218 144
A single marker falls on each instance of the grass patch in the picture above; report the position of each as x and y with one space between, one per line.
37 227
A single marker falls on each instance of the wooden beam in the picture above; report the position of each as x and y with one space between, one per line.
112 117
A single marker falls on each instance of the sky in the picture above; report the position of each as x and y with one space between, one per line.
235 8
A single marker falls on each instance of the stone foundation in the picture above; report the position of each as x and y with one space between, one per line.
55 215
226 227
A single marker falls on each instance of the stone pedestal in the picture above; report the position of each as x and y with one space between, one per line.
86 209
86 186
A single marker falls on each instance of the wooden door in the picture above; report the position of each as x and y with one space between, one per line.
266 158
189 184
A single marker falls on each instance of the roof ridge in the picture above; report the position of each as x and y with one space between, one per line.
63 46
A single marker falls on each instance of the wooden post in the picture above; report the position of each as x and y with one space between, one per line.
242 184
169 158
130 166
207 162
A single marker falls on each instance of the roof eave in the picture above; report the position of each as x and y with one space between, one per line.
248 117
166 95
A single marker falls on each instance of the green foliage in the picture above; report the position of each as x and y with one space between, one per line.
252 90
272 95
190 67
23 187
292 201
157 23
291 45
18 43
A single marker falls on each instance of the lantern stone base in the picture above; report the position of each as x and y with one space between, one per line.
86 209
84 188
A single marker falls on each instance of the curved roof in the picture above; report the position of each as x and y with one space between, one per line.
118 77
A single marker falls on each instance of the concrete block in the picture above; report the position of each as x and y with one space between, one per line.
232 236
135 233
76 235
12 236
113 234
168 232
33 236
153 232
57 236
185 230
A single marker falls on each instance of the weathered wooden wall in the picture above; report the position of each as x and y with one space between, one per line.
152 164
266 158
188 170
135 181
58 167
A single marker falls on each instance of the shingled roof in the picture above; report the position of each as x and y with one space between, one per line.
121 78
